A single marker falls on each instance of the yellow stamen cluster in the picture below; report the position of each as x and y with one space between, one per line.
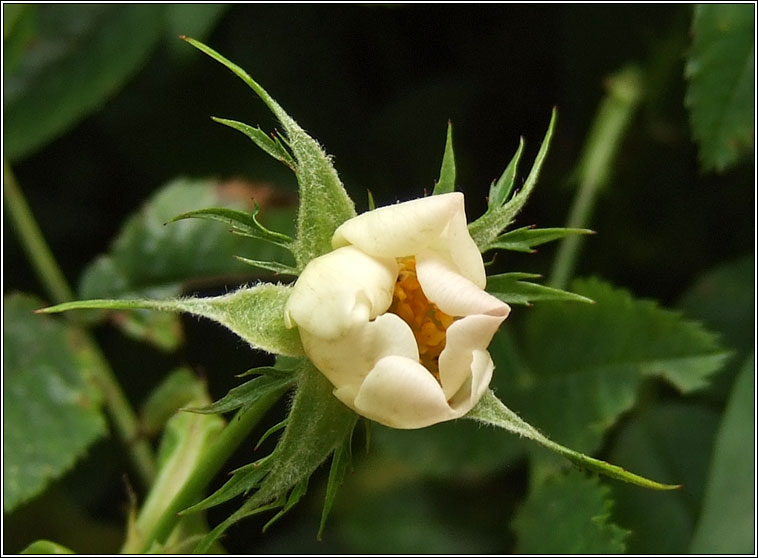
428 323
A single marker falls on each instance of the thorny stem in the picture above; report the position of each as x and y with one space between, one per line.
54 282
602 145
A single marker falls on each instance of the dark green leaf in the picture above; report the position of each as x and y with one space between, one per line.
585 363
727 521
721 91
526 238
51 414
245 395
446 183
151 259
79 56
668 442
724 300
568 514
502 188
510 288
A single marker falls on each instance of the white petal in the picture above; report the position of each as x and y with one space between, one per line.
339 290
401 393
451 292
347 360
436 223
473 389
464 337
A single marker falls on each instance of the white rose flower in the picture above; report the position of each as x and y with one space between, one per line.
396 316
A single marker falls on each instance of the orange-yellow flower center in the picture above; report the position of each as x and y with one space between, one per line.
428 323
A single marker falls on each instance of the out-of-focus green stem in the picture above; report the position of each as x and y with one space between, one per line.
158 527
32 240
600 149
51 276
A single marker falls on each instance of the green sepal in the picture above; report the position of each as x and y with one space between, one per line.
526 238
244 479
318 425
324 203
502 188
490 410
341 462
246 395
244 224
446 182
510 288
497 217
273 266
254 313
271 145
295 495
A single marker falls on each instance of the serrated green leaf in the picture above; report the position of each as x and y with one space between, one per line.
510 288
318 423
51 413
502 188
727 521
255 313
247 394
46 547
324 203
487 228
568 514
151 259
721 89
446 182
586 362
262 140
669 442
526 238
78 57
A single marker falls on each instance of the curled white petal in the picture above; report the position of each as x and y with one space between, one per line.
436 223
401 393
453 293
340 290
465 337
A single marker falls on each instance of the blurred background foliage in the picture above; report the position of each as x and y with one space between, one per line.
104 105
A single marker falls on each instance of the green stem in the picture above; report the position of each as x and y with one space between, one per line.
33 241
600 149
209 464
57 287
